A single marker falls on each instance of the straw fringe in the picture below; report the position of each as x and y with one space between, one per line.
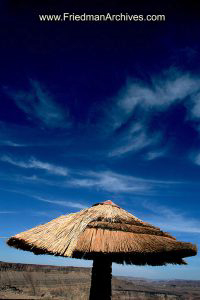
92 240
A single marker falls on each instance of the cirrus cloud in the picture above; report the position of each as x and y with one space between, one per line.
33 163
135 106
39 105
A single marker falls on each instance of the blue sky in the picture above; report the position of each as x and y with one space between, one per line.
91 112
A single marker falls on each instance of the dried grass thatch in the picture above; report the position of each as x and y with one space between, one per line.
104 230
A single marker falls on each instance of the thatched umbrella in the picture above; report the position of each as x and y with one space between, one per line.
104 233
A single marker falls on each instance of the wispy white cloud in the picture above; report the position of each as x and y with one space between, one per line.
170 219
8 212
164 90
136 104
38 104
41 213
111 182
155 154
134 142
15 135
62 202
196 159
49 213
11 143
195 108
102 180
33 163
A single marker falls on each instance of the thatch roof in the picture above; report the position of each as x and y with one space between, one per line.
104 229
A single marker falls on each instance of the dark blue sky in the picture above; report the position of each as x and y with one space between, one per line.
92 111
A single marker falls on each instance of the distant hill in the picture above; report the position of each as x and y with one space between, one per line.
34 267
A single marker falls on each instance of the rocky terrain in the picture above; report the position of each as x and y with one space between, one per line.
26 281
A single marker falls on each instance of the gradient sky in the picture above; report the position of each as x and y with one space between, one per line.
97 111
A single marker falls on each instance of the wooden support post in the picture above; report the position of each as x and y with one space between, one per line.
101 282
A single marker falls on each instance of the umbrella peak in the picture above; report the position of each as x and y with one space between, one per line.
107 202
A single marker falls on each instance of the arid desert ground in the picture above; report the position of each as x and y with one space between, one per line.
25 281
